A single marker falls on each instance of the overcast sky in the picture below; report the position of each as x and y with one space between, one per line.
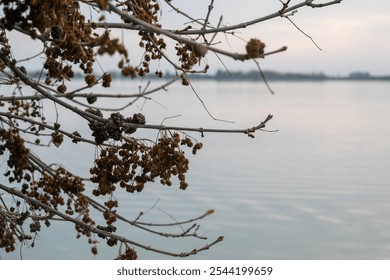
353 35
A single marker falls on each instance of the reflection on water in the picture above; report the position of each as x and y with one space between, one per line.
317 189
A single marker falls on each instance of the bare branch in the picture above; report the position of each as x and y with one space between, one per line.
310 3
78 94
203 130
180 39
44 92
257 20
107 234
282 13
206 20
262 76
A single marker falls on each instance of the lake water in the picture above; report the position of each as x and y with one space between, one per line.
319 188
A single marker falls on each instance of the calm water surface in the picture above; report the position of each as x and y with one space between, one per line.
319 188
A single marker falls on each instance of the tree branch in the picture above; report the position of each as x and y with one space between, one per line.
151 28
248 131
44 92
255 21
107 234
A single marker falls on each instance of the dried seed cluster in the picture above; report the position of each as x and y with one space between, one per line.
5 48
57 138
107 79
18 160
129 254
55 187
7 238
10 227
69 37
134 164
146 10
254 48
187 55
153 46
113 127
111 241
62 188
30 109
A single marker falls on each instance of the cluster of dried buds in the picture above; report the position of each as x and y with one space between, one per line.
134 164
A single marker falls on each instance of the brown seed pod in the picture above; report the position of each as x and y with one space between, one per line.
61 88
254 48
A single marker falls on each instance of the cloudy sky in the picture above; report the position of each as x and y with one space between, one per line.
353 35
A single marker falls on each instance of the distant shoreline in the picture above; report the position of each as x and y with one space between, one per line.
275 76
278 76
254 75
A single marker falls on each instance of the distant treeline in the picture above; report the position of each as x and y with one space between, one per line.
273 76
255 75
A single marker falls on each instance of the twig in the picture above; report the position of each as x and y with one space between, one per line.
202 102
215 34
308 36
98 95
143 213
144 226
263 77
177 10
206 20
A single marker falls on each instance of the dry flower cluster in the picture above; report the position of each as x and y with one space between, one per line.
134 164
